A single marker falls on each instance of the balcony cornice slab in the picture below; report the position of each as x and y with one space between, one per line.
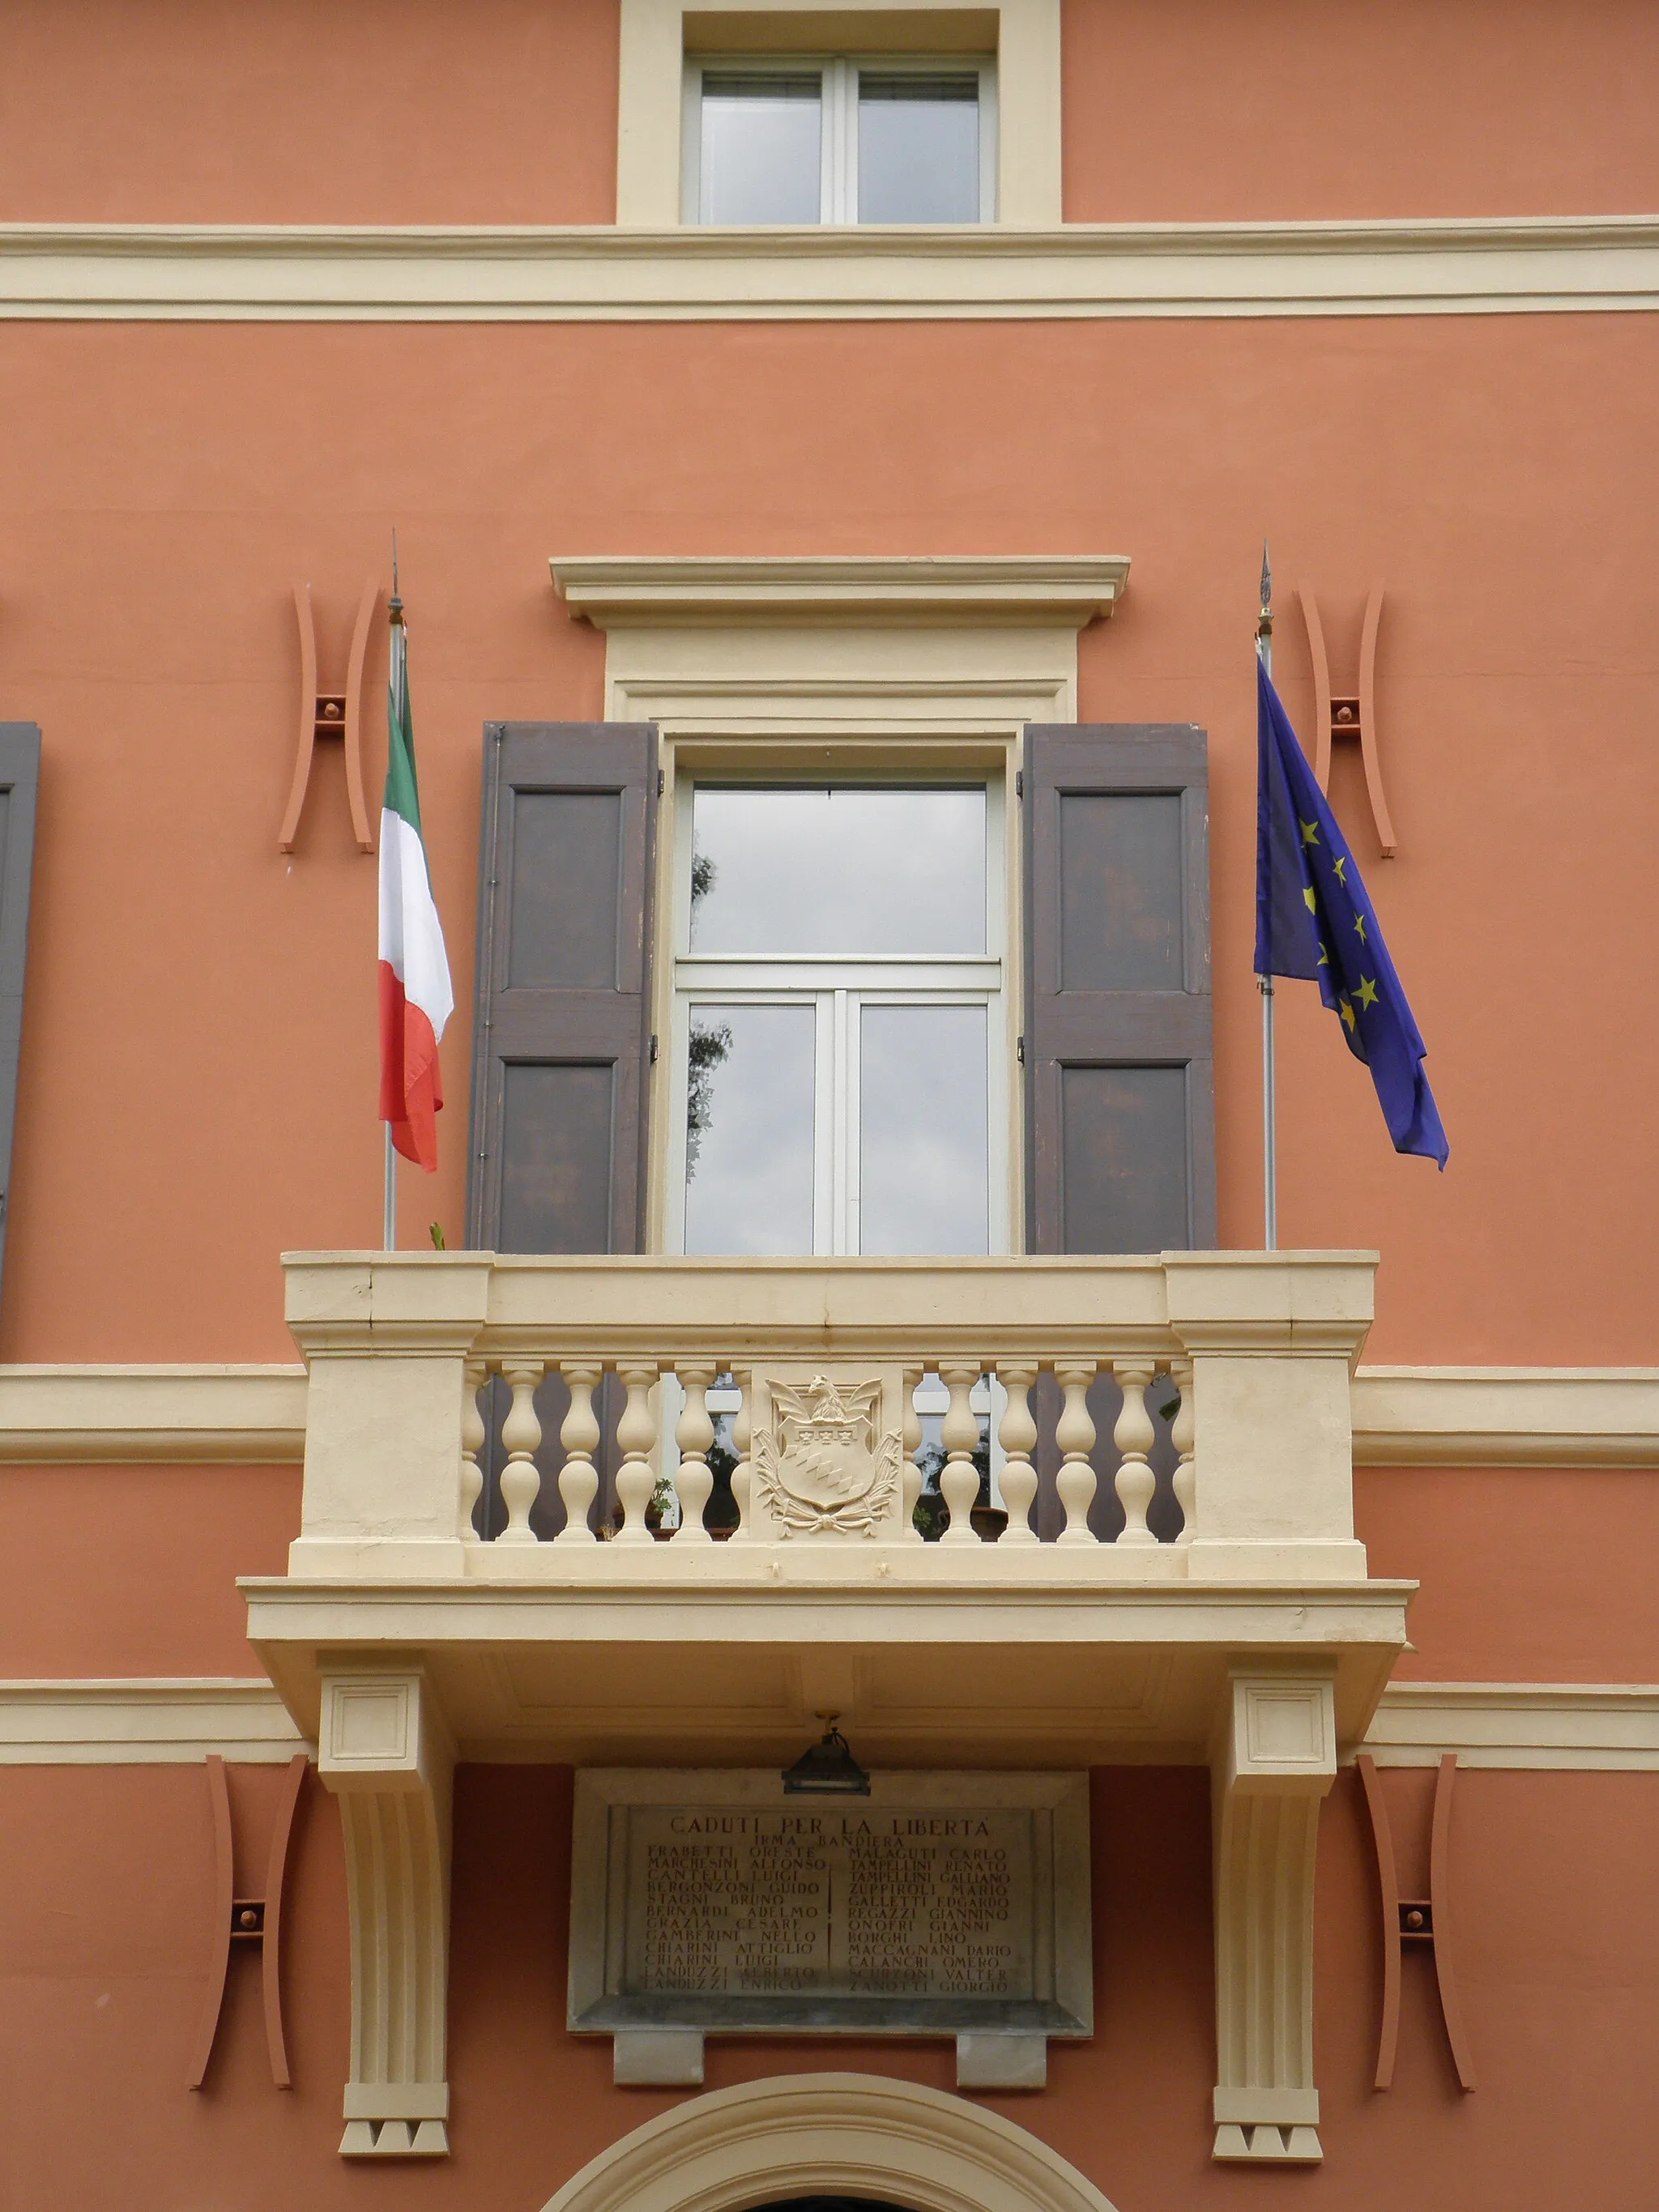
647 1662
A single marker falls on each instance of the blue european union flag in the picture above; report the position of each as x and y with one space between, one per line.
1313 919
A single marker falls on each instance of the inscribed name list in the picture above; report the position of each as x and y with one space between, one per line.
864 1903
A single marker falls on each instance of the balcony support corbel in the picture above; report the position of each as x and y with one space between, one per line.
384 1751
1274 1760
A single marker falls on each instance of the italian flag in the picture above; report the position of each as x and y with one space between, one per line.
416 998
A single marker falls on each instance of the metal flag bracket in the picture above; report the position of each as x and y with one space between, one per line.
248 1920
330 714
1424 1922
1351 715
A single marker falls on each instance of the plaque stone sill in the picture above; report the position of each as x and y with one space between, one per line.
672 2058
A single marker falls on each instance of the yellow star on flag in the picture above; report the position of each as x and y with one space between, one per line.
1310 834
1360 924
1367 991
1347 1013
1341 864
1324 959
1308 898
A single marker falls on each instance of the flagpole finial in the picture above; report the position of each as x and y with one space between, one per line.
1264 627
395 605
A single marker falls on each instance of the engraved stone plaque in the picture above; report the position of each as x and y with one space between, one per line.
942 1903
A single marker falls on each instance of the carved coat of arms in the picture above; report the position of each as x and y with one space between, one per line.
821 1467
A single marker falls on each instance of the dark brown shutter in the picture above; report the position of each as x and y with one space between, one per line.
1120 1127
562 1042
19 779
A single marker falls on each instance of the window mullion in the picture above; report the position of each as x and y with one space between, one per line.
841 142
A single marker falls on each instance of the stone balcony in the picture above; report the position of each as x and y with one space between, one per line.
628 1513
1014 1649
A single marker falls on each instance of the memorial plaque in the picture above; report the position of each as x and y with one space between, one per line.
942 1903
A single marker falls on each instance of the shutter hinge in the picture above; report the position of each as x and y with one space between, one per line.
662 782
1019 1050
1019 783
653 1047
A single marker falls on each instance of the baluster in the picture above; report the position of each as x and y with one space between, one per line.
473 1433
741 1433
1017 1434
1133 1436
694 1432
911 1478
579 1432
637 1432
959 1482
1183 1431
521 1432
1074 1432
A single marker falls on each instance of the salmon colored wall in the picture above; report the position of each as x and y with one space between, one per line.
198 1060
111 1570
1528 1574
380 111
505 110
1196 111
105 1889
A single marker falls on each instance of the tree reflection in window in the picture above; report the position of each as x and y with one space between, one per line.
710 1043
710 1040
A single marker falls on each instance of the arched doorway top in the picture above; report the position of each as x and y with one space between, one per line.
828 2135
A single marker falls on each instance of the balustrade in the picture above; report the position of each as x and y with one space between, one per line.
963 1477
1182 1416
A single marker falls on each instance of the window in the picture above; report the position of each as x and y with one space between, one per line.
793 141
839 1025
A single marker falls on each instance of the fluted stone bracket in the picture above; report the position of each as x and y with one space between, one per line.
384 1750
1274 1759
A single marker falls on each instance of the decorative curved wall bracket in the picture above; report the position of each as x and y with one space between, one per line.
1424 1922
248 1920
1354 715
330 714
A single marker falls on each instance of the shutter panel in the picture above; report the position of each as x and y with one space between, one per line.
19 779
562 1041
1120 1090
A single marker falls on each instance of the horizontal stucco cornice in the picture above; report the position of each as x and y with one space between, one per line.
1506 1417
179 1720
158 1721
1610 1726
1440 1417
171 1414
215 272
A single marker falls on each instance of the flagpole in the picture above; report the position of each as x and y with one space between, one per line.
1264 646
399 672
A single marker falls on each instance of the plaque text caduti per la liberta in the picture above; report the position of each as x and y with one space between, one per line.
943 1902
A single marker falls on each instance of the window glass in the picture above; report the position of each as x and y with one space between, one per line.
918 147
749 1135
923 1161
837 871
760 158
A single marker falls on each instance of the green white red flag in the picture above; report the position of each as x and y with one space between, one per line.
415 996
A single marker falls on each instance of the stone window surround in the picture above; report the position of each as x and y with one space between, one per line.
759 667
656 34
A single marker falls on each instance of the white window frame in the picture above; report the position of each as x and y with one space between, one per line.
838 988
838 181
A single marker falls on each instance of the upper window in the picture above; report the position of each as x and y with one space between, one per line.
794 141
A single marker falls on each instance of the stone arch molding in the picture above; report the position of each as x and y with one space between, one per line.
828 2135
807 2135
